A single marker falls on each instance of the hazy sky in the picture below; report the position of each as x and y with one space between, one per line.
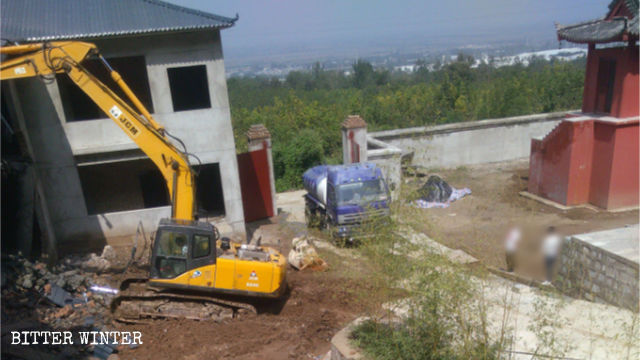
275 26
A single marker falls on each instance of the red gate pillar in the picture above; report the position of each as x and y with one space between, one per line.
354 140
259 138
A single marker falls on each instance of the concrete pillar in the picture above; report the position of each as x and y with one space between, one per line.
25 211
42 209
258 138
354 140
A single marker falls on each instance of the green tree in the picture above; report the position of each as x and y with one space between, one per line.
314 103
293 158
363 74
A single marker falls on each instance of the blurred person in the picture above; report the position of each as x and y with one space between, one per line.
511 242
550 249
181 246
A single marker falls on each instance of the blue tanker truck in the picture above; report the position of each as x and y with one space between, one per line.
341 197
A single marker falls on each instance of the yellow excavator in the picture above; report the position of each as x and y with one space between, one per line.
193 273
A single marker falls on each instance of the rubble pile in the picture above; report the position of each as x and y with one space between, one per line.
71 295
24 275
93 262
59 295
304 256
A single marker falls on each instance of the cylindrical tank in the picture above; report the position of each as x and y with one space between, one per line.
315 182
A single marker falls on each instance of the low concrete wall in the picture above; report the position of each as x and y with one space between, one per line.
470 143
601 267
341 347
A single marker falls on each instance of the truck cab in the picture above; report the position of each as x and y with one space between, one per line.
342 198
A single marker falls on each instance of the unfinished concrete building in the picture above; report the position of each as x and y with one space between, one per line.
90 182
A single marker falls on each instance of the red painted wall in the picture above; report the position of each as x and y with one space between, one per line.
588 161
580 165
253 168
629 105
603 145
625 87
623 186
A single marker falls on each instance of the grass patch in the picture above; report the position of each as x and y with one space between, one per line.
410 340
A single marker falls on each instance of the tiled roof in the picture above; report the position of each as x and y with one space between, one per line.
608 29
353 121
258 131
596 31
41 20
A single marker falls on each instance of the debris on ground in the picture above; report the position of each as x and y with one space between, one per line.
59 294
37 297
93 262
104 289
304 256
260 238
106 351
436 193
108 253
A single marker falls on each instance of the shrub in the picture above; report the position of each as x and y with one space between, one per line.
293 158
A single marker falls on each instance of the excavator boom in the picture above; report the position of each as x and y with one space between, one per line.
47 59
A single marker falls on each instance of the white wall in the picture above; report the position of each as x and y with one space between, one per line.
360 139
469 143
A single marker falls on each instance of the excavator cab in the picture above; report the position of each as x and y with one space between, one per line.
181 246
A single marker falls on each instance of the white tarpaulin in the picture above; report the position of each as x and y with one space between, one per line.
456 194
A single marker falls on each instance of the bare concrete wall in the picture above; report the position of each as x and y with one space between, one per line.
53 159
469 143
59 144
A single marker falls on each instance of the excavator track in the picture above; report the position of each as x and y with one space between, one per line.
140 303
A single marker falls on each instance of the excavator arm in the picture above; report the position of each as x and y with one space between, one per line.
229 269
47 59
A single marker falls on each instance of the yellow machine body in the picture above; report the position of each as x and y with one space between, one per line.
234 276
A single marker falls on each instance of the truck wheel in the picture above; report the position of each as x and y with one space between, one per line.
309 217
322 222
340 242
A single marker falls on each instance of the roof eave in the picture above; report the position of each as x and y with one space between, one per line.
590 41
127 33
579 33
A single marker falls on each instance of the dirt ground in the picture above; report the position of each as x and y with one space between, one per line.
318 305
300 326
478 223
321 303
